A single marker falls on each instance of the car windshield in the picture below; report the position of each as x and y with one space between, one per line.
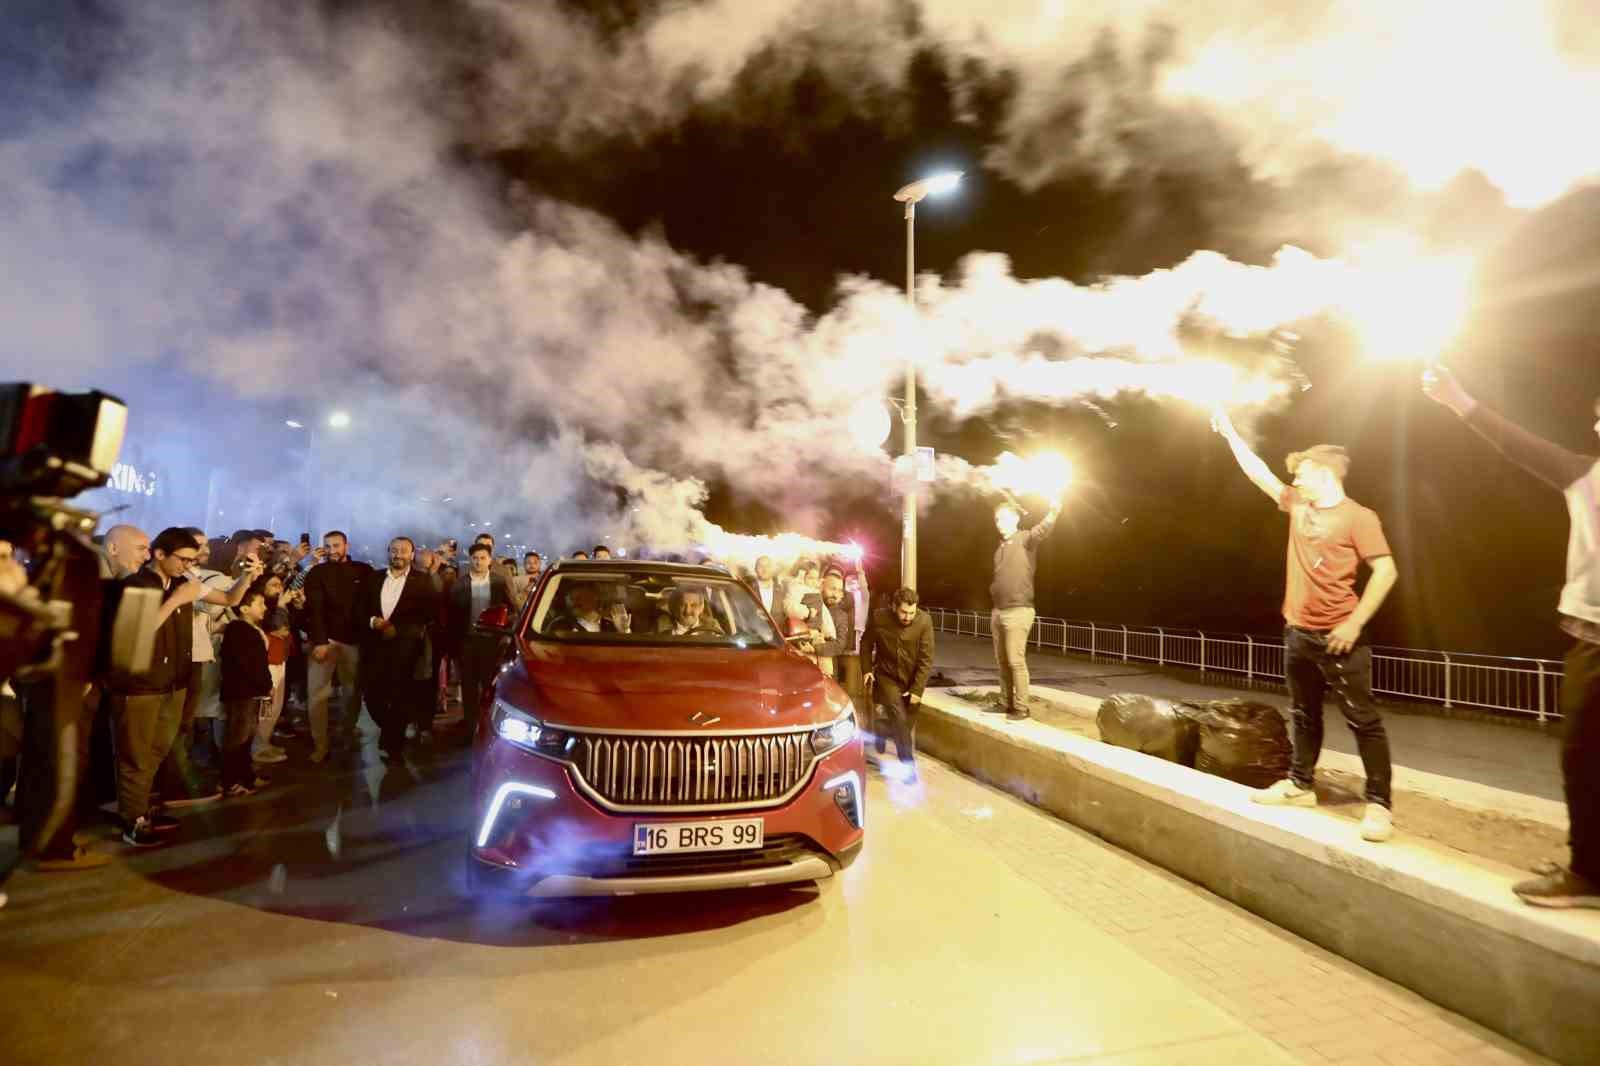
621 606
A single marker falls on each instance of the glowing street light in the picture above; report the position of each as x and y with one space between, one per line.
336 420
911 195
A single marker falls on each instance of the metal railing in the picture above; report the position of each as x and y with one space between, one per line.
1529 687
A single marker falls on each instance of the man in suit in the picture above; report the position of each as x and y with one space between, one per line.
767 587
896 661
687 615
399 606
478 655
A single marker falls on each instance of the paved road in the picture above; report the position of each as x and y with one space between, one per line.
323 922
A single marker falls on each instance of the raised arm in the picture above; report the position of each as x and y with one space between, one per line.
1255 468
1550 463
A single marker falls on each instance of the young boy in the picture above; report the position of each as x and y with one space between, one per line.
276 627
246 686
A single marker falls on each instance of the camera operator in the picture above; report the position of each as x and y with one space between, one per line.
146 708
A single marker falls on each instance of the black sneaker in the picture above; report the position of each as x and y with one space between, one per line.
162 823
1563 888
140 835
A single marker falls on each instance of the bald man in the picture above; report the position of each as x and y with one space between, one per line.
125 551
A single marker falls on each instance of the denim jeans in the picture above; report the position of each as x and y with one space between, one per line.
1580 755
1010 627
1314 672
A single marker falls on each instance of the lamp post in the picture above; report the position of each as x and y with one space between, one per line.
911 195
336 420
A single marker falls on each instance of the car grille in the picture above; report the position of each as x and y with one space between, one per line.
674 772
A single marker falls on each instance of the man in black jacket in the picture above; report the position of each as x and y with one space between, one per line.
477 655
146 708
398 605
896 659
1011 593
335 629
246 687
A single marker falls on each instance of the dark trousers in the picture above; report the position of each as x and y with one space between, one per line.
389 701
39 780
897 720
1314 672
479 659
178 778
1580 755
242 717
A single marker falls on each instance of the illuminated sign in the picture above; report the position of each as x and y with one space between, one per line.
130 479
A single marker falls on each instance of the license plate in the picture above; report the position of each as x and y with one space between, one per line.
728 834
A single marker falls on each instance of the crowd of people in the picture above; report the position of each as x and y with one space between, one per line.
250 625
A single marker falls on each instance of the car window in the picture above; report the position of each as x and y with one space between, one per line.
649 607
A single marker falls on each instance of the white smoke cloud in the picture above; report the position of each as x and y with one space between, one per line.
267 197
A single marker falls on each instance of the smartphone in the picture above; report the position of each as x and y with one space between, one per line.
305 538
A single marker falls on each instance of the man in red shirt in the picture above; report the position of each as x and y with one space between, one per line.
1330 536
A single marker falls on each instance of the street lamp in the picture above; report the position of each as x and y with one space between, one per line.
911 195
336 420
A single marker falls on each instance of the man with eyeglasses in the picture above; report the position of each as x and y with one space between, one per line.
147 708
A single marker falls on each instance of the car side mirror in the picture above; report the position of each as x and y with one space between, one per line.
495 620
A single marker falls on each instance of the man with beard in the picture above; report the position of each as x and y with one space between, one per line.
399 606
896 660
334 629
687 615
833 631
767 587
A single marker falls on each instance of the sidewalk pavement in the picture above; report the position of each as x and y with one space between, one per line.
1502 768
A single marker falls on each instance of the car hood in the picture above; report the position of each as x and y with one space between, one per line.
671 688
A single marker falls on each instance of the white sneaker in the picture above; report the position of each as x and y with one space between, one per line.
270 754
1378 825
1285 793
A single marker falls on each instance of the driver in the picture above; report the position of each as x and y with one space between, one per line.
688 616
586 617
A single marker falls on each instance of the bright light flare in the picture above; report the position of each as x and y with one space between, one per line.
869 423
1405 304
1047 474
940 184
339 420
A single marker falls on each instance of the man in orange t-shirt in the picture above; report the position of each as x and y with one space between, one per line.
1330 536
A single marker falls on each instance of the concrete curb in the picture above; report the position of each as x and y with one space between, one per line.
1451 931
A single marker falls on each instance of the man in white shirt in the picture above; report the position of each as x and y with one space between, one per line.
400 606
766 586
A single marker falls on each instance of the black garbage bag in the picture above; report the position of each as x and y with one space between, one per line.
1153 726
1241 740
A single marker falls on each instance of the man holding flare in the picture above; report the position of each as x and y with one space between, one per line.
1576 477
1330 536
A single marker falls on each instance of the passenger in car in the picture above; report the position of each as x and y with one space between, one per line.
687 615
586 616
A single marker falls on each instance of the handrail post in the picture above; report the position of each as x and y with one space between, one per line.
1249 657
1446 677
1124 643
1202 650
1542 698
1161 646
1094 641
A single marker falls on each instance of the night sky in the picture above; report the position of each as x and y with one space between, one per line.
791 179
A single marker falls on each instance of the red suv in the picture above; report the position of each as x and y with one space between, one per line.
655 733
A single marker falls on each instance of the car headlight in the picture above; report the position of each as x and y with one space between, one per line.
834 735
516 727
